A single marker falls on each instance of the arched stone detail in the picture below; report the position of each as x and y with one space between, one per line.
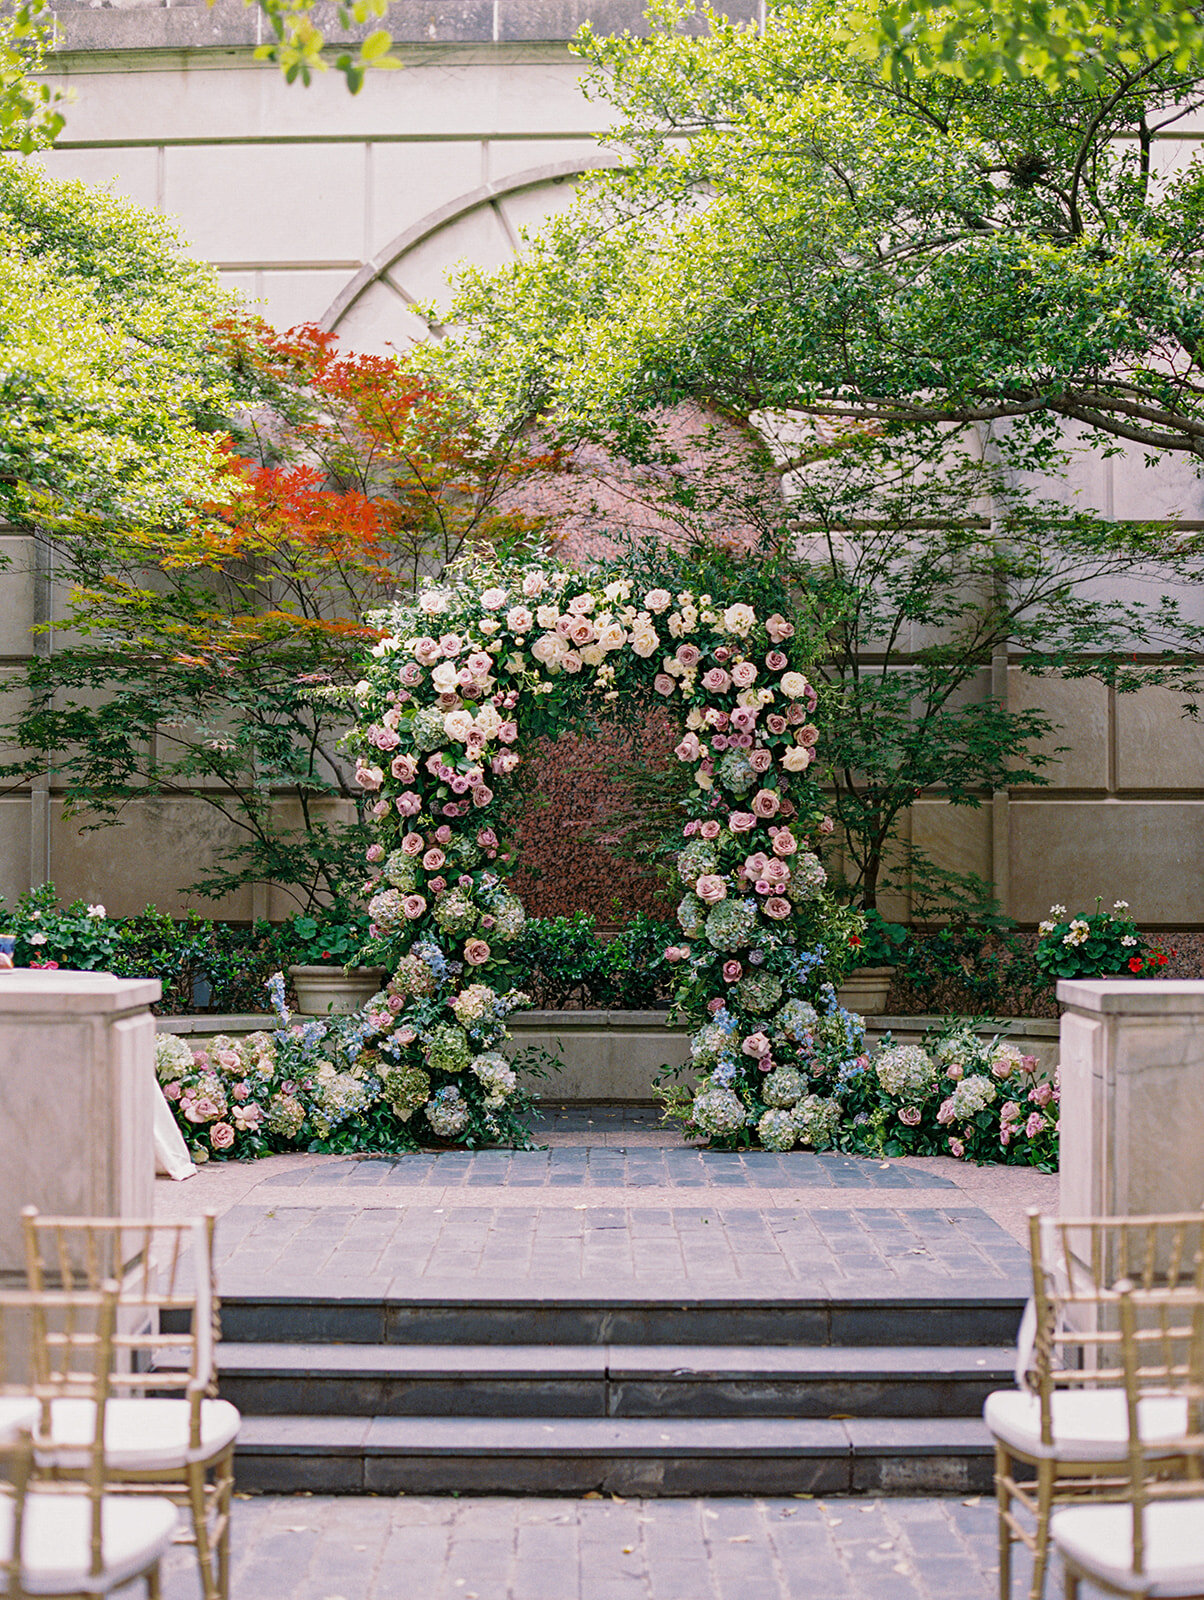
381 269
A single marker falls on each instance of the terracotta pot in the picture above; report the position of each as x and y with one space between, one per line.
331 991
865 990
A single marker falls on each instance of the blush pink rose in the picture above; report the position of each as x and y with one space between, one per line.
777 908
775 723
507 733
493 599
778 629
689 655
741 821
410 674
367 776
754 865
720 741
808 735
476 952
663 683
732 970
412 844
1034 1125
676 953
775 661
690 829
709 829
519 619
504 763
710 889
413 905
689 749
427 651
744 719
433 860
716 681
437 885
910 1116
784 843
744 674
443 834
760 760
487 839
957 1149
826 825
765 803
171 1091
481 796
582 632
756 1045
408 803
380 809
375 852
221 1136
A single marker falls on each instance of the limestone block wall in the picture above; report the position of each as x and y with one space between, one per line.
347 210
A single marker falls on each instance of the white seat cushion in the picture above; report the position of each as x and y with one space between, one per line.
16 1411
1088 1424
140 1435
57 1540
1099 1539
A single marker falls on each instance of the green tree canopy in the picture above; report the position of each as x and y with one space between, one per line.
793 230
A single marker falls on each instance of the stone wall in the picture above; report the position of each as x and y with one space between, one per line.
346 210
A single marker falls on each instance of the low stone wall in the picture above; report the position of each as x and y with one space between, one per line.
614 1055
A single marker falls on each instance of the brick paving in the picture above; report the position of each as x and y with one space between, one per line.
309 1548
873 1249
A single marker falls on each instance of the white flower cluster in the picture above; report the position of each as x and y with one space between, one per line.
906 1070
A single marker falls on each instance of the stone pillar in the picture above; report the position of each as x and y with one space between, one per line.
77 1054
1132 1073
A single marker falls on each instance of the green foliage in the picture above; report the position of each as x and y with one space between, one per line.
790 230
331 938
1101 945
30 118
564 963
976 968
879 943
1059 45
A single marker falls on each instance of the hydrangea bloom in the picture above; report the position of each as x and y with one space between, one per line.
447 1048
783 1087
906 1070
446 1112
718 1112
455 913
758 992
777 1130
972 1095
406 1089
817 1121
730 924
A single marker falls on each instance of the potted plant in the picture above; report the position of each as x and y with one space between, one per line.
875 948
1104 944
325 977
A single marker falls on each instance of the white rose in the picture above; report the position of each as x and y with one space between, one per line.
798 758
432 602
592 655
739 619
549 648
444 677
612 638
488 721
547 616
493 599
794 685
658 599
458 725
645 644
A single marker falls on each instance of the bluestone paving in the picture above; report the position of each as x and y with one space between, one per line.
390 1548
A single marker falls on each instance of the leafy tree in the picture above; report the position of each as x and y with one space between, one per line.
793 230
1068 41
198 651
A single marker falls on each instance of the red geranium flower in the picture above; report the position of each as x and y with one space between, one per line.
1135 963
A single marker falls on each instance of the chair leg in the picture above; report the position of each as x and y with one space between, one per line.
1072 1585
225 1491
1045 1487
154 1586
1003 1501
200 1525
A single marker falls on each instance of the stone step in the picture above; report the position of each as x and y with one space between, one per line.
645 1381
625 1456
976 1315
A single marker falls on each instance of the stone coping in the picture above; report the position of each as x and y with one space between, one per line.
1135 997
642 1021
40 992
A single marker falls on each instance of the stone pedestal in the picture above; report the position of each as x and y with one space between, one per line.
77 1054
1132 1096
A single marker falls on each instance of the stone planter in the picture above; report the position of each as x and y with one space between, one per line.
331 991
865 990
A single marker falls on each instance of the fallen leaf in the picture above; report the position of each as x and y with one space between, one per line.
629 1549
591 1494
740 1538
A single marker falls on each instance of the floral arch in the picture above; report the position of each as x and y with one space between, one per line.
465 676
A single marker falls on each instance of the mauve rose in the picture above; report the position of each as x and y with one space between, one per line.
1042 1094
221 1136
487 839
716 681
412 844
795 715
241 1091
690 829
413 905
765 803
760 760
689 655
368 776
775 661
395 1003
778 629
507 733
776 908
744 719
957 1149
375 852
384 738
443 834
910 1116
503 763
408 803
723 653
433 860
775 723
481 796
719 719
742 741
437 885
1034 1125
741 821
452 809
380 809
476 952
715 1004
410 674
808 735
744 674
663 684
762 886
826 825
711 889
459 785
171 1091
675 953
719 741
784 843
709 829
754 865
945 1114
732 970
954 1073
689 749
757 1044
1029 1064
